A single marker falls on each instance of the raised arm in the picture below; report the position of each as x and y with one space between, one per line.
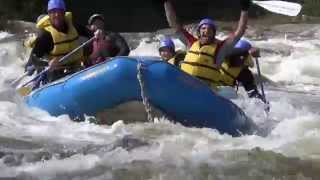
171 16
242 24
173 22
230 42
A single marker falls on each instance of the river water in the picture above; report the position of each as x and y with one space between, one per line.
35 145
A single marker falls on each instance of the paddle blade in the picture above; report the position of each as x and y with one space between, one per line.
24 91
280 7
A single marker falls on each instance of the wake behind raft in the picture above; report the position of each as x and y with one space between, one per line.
183 98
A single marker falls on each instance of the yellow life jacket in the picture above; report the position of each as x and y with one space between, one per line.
200 62
63 42
229 74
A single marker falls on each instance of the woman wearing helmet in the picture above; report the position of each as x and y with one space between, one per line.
112 44
206 53
236 68
169 54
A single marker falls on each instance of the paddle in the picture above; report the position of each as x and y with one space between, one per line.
16 81
267 108
26 90
280 7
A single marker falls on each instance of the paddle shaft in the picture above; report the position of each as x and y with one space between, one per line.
62 60
260 80
16 81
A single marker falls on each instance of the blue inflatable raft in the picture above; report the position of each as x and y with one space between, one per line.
180 96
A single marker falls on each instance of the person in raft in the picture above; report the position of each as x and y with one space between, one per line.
168 52
110 45
206 53
235 69
59 36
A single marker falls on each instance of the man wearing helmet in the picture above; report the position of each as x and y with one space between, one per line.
206 53
111 44
58 36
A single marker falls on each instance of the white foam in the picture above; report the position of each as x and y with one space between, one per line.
295 126
149 47
301 66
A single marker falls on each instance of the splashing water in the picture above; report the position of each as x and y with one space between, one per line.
144 96
35 145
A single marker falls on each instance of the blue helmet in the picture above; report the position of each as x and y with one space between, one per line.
168 43
207 21
56 4
243 45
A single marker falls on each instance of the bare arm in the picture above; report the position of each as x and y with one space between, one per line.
241 29
228 45
173 22
171 16
242 26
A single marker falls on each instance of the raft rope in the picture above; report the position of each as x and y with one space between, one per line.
144 96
